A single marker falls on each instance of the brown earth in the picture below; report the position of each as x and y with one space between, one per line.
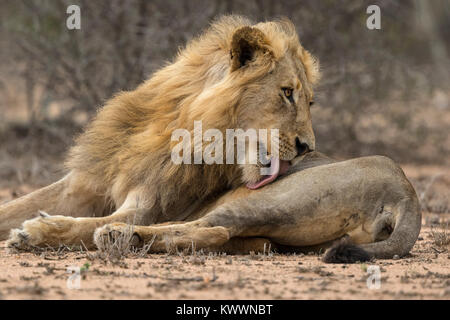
424 274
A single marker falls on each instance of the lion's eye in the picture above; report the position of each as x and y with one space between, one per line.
288 93
311 103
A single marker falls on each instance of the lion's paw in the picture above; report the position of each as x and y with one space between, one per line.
42 231
18 239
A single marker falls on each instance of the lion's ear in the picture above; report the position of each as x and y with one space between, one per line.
245 43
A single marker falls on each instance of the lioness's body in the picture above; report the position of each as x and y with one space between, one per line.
368 199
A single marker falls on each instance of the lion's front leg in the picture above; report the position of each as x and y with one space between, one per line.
46 230
164 238
53 231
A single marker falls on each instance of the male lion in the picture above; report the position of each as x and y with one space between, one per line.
236 75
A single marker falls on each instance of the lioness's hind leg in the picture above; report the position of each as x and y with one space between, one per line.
241 245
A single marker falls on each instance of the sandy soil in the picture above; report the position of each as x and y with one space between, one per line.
424 274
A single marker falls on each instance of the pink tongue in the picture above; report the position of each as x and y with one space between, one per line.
277 166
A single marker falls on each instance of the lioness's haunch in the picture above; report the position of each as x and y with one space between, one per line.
236 75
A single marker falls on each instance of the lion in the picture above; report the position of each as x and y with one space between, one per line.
236 75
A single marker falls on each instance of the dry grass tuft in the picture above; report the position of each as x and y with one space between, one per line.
441 238
117 247
120 246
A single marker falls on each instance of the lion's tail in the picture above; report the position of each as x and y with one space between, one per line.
408 222
14 213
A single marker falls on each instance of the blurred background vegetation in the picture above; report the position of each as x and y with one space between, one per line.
382 92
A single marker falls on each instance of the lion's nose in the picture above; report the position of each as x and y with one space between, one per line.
302 148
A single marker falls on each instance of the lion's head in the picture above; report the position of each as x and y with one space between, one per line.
276 76
236 75
252 76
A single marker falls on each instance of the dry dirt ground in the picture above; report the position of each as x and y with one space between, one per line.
424 274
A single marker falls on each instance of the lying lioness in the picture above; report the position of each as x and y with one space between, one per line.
366 201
